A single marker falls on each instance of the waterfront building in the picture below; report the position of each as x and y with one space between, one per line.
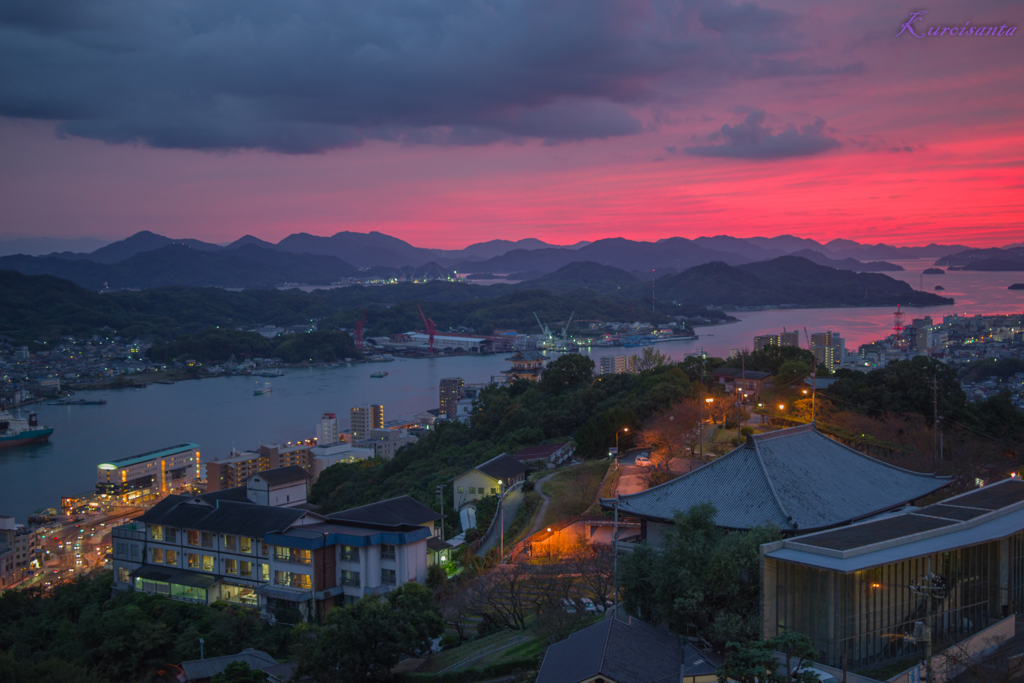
444 343
525 365
489 479
784 339
858 592
23 544
234 470
149 475
450 391
829 349
299 454
327 431
364 418
797 479
612 365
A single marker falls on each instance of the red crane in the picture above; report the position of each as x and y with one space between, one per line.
359 331
429 328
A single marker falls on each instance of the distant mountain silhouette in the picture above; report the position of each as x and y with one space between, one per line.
995 259
130 246
366 249
788 280
847 263
248 266
587 275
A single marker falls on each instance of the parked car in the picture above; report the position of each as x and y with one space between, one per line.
588 606
643 461
569 605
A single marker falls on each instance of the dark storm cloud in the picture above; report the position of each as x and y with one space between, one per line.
752 140
310 75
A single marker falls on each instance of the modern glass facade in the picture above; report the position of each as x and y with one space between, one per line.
869 615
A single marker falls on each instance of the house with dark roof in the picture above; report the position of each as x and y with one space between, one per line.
488 479
615 651
202 670
289 562
749 382
552 454
858 591
284 486
797 479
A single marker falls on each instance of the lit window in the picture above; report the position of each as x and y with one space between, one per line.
246 569
460 489
193 537
172 557
193 561
245 545
207 563
158 556
158 532
231 566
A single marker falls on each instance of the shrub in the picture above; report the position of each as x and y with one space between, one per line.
746 431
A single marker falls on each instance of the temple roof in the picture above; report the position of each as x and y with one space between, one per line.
796 479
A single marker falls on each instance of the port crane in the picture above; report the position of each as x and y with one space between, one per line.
429 327
565 330
543 327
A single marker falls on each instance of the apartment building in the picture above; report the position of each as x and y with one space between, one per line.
23 544
450 391
234 470
829 348
385 442
364 418
784 339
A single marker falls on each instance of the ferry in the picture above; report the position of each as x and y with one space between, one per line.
378 375
15 431
265 389
271 373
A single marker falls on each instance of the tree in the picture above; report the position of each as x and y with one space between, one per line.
790 372
675 429
751 662
566 372
239 672
365 640
650 359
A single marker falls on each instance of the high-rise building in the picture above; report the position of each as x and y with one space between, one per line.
611 365
366 417
327 430
784 339
828 348
450 393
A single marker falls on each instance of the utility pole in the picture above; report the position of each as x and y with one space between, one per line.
814 388
201 649
739 398
615 551
440 492
501 518
700 404
935 416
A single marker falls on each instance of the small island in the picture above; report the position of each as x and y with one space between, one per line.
940 288
1019 285
934 271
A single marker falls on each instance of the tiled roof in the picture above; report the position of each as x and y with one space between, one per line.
391 512
739 373
211 666
538 452
624 651
794 478
228 517
239 494
284 475
503 467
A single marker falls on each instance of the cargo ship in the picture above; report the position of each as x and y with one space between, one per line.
15 431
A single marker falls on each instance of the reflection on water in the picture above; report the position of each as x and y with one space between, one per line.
221 413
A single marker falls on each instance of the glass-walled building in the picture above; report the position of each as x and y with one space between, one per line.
865 591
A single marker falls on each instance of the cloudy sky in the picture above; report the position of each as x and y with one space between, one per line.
446 122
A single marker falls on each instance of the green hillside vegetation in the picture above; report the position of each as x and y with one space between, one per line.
215 345
567 403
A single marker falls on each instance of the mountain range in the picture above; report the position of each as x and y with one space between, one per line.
147 259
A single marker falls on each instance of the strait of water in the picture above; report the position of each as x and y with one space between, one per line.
222 412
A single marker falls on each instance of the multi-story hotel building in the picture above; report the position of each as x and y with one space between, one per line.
149 475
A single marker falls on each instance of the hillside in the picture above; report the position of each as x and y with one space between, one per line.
788 280
248 266
994 259
586 275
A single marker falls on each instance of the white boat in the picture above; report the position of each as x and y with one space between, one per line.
265 389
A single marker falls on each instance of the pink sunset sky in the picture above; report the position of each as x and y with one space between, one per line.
458 122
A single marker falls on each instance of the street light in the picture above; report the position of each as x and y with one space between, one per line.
501 517
626 430
782 406
709 401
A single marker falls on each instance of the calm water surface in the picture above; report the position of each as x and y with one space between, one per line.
222 412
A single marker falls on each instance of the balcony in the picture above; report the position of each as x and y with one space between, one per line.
351 583
387 555
350 557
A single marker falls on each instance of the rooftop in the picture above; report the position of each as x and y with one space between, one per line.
207 668
624 651
740 373
502 467
538 452
284 475
986 514
391 512
221 516
796 479
153 455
